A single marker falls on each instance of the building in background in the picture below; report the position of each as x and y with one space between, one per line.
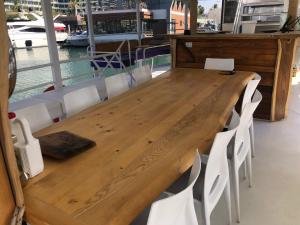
116 15
158 17
25 5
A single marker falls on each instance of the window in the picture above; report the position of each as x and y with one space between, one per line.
115 26
230 11
34 29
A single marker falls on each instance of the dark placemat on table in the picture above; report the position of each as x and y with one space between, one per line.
63 145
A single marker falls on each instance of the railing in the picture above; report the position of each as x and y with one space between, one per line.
116 57
147 49
92 59
107 57
143 60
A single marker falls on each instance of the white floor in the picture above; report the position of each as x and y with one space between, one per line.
275 197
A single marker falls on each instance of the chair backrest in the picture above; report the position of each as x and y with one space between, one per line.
80 99
217 172
37 116
250 89
179 208
242 136
142 74
116 85
219 64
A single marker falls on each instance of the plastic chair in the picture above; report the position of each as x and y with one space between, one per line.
215 180
177 209
37 116
219 64
142 74
80 99
241 149
250 89
116 85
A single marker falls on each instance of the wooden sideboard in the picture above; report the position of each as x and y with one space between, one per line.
269 55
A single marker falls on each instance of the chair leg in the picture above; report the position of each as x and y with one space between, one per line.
206 214
228 201
249 168
236 189
251 130
245 170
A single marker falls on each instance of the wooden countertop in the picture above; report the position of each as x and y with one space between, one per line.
277 35
146 138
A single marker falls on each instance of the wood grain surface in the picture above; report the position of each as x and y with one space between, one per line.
146 138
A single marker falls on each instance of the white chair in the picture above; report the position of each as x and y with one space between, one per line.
215 180
116 85
177 209
142 74
219 64
37 116
240 151
80 99
250 89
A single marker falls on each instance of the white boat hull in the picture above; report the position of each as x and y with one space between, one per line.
83 40
37 39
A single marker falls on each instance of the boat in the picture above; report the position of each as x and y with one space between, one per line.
77 40
81 39
32 33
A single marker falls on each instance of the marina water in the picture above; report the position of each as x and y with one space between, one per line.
77 71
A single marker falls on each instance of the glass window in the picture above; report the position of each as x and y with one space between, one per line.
115 26
230 10
34 29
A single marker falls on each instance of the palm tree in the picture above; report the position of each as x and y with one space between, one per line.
16 6
73 5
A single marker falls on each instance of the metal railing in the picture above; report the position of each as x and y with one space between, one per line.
115 57
97 72
147 49
94 58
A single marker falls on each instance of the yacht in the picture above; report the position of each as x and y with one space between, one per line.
32 33
82 39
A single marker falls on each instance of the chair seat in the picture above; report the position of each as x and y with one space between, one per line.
182 181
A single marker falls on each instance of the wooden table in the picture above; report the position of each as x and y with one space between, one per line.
146 138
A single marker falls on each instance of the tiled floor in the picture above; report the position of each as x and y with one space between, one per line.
275 197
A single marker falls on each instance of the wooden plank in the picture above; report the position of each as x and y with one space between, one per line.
11 191
284 78
277 68
173 52
193 16
7 202
293 8
146 138
227 43
249 56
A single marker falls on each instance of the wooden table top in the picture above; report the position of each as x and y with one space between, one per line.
146 138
